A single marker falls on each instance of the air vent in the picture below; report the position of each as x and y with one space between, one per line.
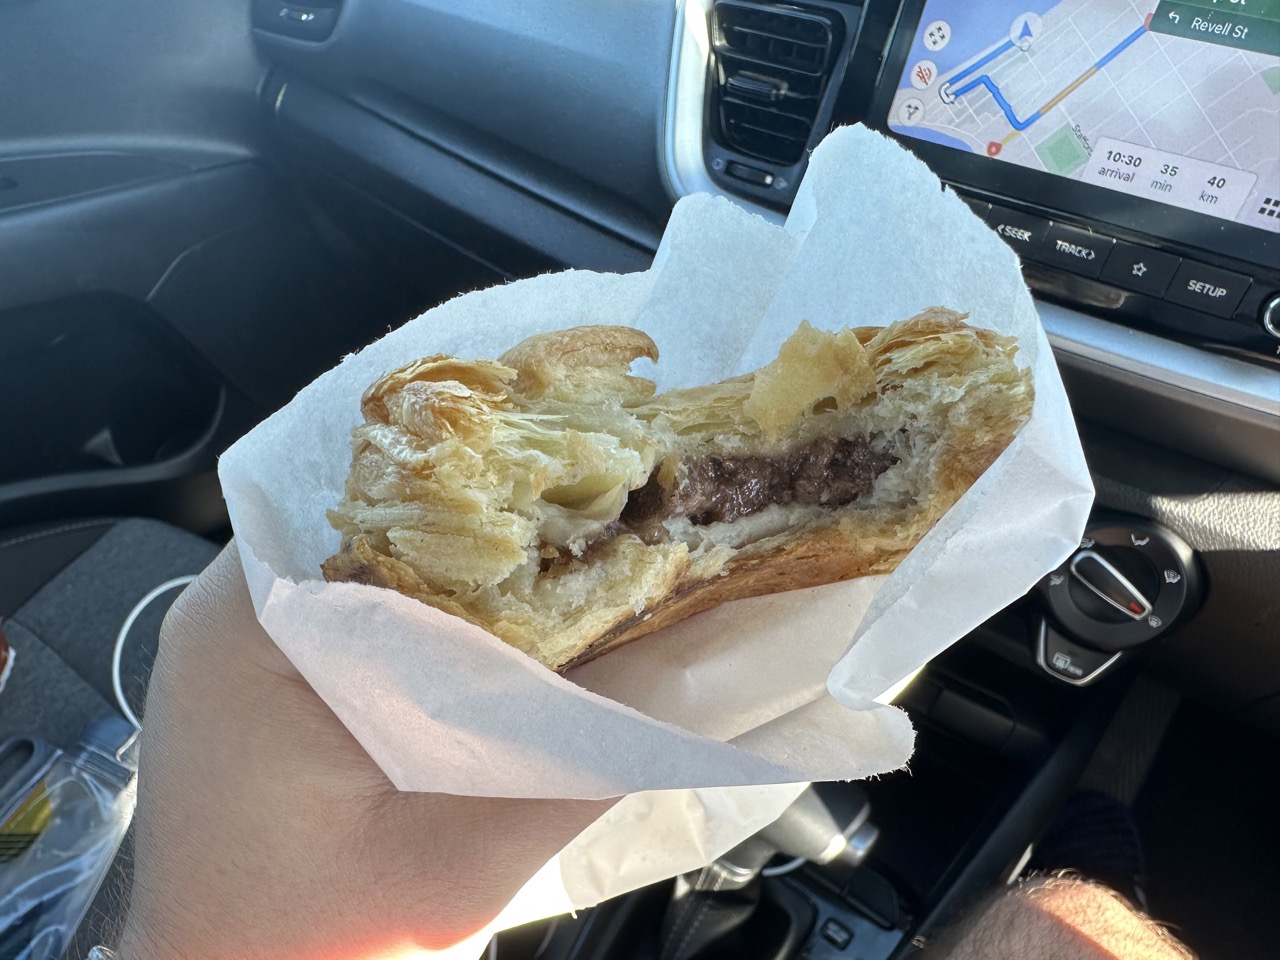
772 65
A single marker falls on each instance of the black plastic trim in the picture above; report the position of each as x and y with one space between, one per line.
515 231
182 490
30 180
55 249
1225 433
562 99
1028 816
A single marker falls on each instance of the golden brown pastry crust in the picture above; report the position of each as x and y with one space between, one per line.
494 490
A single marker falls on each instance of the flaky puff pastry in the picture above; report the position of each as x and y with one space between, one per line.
551 498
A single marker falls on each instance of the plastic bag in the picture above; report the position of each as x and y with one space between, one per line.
62 818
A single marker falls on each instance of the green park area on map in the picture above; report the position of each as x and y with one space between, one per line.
1062 152
1239 24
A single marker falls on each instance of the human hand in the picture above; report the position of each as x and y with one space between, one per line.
264 830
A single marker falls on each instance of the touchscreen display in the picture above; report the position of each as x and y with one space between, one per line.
1176 102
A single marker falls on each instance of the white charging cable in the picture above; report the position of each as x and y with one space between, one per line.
116 655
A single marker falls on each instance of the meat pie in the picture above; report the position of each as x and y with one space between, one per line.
553 499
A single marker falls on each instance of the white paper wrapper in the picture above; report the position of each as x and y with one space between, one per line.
775 690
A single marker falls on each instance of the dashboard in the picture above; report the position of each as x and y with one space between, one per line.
1126 150
1123 147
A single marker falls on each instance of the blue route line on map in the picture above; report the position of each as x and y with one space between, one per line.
1005 107
1001 102
1120 47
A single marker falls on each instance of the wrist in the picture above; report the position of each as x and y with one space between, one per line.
143 937
133 945
1104 918
1056 918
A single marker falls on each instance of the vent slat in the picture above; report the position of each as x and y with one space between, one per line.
764 133
798 85
772 68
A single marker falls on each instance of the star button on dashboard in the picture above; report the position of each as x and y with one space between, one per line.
1139 269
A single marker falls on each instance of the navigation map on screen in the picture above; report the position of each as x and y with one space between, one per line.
1177 102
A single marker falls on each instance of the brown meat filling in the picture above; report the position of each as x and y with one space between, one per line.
829 472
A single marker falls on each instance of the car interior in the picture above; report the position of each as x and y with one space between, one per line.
204 206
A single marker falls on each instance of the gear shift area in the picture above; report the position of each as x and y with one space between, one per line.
748 905
865 871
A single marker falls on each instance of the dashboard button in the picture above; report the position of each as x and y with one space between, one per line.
1271 315
1101 576
1069 661
741 171
1206 288
1022 231
837 934
311 20
1140 269
1080 251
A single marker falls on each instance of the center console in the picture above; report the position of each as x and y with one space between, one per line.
1000 744
1006 721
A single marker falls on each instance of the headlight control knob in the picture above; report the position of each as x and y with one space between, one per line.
1128 583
